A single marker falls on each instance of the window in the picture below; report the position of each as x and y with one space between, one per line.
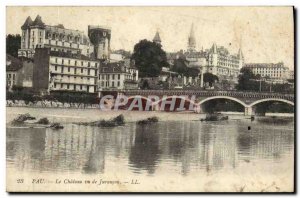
81 63
40 40
56 42
80 87
68 86
32 33
119 76
62 61
118 83
96 64
113 83
113 76
55 68
75 71
69 61
62 69
56 60
61 85
89 64
69 69
88 71
75 63
54 85
81 70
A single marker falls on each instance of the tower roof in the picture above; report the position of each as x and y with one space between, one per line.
192 39
156 38
214 48
38 21
27 23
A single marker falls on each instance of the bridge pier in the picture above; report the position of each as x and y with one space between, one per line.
248 111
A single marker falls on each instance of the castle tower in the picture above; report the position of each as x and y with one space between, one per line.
192 40
25 38
37 33
100 38
156 38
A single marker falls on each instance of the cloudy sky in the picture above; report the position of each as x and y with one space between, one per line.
265 34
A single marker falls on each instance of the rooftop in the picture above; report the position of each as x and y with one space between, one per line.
12 63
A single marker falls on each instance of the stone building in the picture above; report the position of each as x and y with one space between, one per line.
117 76
62 71
273 71
36 34
18 72
216 60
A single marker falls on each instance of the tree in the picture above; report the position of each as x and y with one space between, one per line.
210 78
13 43
247 80
180 66
149 58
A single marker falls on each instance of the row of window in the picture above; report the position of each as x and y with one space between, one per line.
75 63
107 84
107 76
68 86
75 70
11 75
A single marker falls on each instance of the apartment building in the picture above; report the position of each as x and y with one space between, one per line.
62 71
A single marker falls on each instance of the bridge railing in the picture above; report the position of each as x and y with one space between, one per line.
244 94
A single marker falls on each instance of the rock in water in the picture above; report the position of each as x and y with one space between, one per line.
56 126
148 120
22 118
43 121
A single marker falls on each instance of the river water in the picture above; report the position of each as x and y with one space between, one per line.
178 153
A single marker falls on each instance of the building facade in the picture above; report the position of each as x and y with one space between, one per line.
36 34
18 72
117 76
61 71
216 60
273 71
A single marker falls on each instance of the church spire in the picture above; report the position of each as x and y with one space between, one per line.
192 40
156 38
240 54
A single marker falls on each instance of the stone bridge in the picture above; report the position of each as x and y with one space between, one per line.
246 99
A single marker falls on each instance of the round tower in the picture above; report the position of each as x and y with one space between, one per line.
100 38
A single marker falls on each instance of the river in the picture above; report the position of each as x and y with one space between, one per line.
179 153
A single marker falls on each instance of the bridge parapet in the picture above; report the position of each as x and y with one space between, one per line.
247 97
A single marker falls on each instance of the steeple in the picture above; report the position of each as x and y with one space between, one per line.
214 48
156 38
192 40
240 54
27 23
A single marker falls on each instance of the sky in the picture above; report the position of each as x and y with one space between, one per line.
265 34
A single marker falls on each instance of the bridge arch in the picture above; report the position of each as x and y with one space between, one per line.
223 97
271 99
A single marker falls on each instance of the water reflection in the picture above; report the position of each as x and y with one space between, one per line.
145 152
178 147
